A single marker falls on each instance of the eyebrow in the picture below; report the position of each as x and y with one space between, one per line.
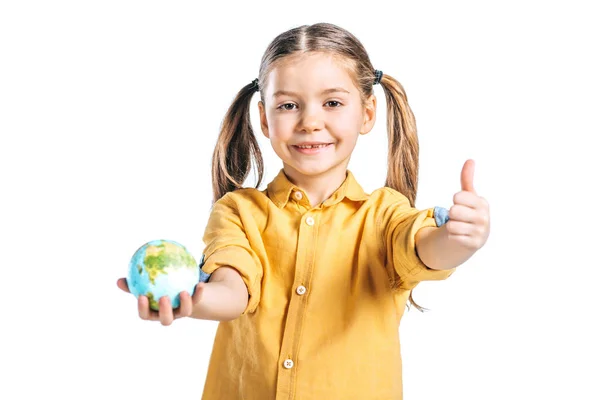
326 91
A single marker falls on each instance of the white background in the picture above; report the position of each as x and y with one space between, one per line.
109 112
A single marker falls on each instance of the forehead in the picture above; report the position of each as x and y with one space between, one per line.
308 72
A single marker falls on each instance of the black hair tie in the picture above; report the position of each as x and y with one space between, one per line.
378 75
255 85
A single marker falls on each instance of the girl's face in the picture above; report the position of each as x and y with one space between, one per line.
312 113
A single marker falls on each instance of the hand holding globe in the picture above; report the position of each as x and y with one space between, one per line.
164 277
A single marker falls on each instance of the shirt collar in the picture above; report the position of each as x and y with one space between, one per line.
280 190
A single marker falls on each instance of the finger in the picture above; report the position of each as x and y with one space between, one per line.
198 293
459 228
187 302
466 241
165 311
463 214
466 176
144 308
122 284
468 199
185 306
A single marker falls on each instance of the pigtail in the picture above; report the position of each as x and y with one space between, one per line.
403 148
236 147
403 145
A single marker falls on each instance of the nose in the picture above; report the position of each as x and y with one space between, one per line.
311 120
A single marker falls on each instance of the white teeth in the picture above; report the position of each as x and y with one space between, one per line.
313 146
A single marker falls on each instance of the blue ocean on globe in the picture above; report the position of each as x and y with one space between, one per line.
162 268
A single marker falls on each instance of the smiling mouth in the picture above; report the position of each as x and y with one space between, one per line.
313 146
312 149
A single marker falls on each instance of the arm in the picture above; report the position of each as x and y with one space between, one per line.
437 250
224 296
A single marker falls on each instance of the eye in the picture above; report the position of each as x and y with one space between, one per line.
334 103
286 106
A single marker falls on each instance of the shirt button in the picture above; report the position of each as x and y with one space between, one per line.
288 363
310 221
300 290
298 195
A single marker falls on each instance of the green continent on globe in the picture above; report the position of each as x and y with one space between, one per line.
161 256
151 301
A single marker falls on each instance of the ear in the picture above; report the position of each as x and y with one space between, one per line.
264 126
369 115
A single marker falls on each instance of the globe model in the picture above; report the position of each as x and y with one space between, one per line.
162 268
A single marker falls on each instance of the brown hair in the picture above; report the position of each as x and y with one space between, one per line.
237 146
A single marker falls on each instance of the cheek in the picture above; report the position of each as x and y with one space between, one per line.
350 115
281 128
346 124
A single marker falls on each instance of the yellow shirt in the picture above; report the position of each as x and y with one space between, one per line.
327 285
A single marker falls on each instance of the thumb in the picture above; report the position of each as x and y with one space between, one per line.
198 292
122 284
466 176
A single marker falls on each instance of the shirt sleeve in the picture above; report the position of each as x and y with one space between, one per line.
399 238
227 245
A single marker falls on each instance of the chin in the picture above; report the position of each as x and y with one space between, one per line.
309 170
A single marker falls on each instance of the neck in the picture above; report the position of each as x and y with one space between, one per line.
318 187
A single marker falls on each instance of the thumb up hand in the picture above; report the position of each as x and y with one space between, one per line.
469 217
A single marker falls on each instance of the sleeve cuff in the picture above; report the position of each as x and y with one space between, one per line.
239 259
204 277
409 266
440 214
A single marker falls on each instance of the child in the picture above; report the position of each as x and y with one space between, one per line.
310 277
